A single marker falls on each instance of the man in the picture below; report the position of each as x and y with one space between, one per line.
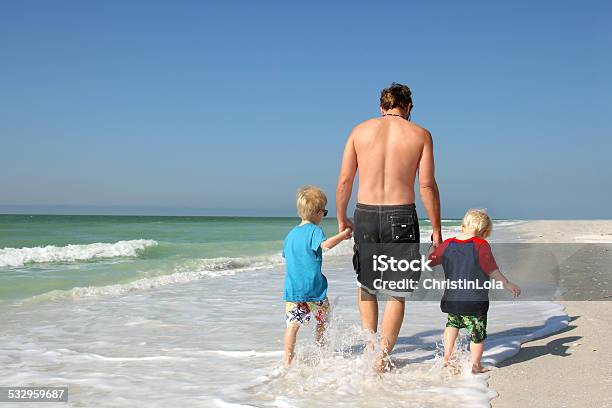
389 152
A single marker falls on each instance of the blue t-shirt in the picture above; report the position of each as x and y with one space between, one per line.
304 281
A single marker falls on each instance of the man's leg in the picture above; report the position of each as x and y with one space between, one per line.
390 328
368 310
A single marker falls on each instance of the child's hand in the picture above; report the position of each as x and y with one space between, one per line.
514 289
346 234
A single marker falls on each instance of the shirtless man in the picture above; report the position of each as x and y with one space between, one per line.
389 151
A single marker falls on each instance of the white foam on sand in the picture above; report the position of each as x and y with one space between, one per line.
344 373
594 239
206 345
12 257
501 348
222 404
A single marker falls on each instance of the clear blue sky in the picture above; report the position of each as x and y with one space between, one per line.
230 106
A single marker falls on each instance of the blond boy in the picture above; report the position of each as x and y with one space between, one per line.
468 257
305 285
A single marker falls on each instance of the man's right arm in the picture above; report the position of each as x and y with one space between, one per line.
348 169
428 188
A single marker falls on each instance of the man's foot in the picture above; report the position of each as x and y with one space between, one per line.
383 365
478 369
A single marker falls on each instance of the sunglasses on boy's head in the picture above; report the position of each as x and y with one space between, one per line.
324 211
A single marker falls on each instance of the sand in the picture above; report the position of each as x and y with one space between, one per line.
571 368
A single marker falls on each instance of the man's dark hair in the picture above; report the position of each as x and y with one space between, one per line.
395 96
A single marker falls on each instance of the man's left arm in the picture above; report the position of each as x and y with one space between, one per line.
348 169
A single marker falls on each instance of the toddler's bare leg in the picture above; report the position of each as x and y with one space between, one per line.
290 336
476 350
450 336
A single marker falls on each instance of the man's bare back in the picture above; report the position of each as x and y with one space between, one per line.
388 152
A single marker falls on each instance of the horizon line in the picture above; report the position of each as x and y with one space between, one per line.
177 211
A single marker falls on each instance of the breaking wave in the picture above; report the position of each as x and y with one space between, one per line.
12 257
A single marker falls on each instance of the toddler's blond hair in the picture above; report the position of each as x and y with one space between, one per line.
478 221
310 199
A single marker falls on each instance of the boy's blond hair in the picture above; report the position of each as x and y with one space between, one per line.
310 199
478 221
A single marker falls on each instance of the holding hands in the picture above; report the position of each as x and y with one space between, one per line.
347 233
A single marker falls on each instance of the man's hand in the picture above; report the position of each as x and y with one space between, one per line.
344 224
346 233
436 239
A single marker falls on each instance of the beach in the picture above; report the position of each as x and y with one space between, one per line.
573 367
164 164
149 311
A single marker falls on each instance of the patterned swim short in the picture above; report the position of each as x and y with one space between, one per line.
299 313
475 325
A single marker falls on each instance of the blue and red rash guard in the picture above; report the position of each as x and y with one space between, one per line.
467 260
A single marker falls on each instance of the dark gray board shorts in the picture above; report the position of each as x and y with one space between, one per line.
392 231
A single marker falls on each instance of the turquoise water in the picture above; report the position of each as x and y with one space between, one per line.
88 250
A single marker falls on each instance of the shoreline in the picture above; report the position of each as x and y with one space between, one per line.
570 367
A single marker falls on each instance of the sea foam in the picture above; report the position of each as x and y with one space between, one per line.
11 257
188 271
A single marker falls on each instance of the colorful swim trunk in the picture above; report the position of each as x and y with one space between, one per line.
475 325
299 313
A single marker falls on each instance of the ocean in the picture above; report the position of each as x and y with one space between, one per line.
58 255
148 311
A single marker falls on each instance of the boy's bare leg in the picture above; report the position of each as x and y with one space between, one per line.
476 350
320 338
390 328
290 336
450 336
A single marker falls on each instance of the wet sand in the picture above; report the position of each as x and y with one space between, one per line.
573 367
